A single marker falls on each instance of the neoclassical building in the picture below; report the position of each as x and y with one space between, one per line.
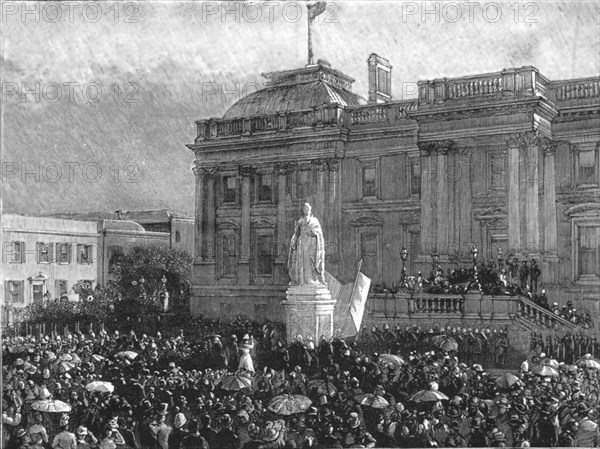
505 160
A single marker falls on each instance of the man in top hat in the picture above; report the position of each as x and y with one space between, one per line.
160 429
21 440
254 434
209 434
81 434
194 440
64 439
588 434
356 435
226 438
568 436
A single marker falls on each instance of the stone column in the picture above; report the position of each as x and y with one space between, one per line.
532 206
245 171
427 231
282 244
442 196
464 199
199 215
550 260
320 192
210 215
514 216
334 201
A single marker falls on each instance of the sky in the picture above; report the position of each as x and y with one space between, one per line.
99 99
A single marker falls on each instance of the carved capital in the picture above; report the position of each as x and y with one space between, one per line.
200 170
333 164
283 168
465 153
531 138
245 171
319 163
439 146
515 140
548 146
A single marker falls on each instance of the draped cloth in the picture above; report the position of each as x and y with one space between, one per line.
306 260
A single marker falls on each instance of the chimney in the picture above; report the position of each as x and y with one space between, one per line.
380 79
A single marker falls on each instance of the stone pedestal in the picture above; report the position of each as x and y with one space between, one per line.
308 312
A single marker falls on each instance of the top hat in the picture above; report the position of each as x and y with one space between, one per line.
82 430
162 410
353 420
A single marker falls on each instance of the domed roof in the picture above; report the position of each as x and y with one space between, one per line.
296 90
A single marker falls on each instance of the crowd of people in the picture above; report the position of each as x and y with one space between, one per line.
246 389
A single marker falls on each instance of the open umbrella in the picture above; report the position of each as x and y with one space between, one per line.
63 367
445 343
372 400
506 381
392 359
544 371
235 383
65 358
588 362
429 396
127 355
51 406
323 387
100 386
98 358
553 363
289 404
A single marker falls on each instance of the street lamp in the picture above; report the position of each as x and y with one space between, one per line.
434 257
404 256
500 257
475 253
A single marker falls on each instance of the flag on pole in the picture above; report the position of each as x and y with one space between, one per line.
314 9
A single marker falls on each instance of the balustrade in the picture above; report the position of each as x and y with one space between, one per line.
532 312
577 89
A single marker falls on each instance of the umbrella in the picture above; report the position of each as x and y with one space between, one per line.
544 371
65 358
445 343
391 359
506 381
431 395
553 363
323 387
100 386
51 406
98 358
372 400
127 354
588 362
289 404
235 383
63 367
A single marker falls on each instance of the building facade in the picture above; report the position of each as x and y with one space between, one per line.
506 160
45 258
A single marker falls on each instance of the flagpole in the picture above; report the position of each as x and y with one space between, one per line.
310 53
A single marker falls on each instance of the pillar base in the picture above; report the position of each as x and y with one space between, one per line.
309 312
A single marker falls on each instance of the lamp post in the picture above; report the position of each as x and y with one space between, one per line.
434 261
475 253
404 256
500 257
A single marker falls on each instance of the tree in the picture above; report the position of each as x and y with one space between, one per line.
139 276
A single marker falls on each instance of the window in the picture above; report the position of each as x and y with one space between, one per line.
15 292
587 167
16 252
229 189
61 288
44 252
415 178
384 81
63 253
38 290
369 181
264 186
177 236
369 253
229 255
84 254
264 262
587 242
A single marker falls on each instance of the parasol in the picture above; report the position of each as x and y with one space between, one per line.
588 362
98 358
552 363
51 406
127 354
544 371
323 387
392 359
372 400
63 367
100 386
431 395
234 382
506 381
289 404
445 343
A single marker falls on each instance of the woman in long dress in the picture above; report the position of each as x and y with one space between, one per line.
306 258
245 358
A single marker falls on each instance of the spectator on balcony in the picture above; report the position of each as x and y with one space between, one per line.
523 274
514 271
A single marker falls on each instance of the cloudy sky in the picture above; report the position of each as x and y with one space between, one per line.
115 87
